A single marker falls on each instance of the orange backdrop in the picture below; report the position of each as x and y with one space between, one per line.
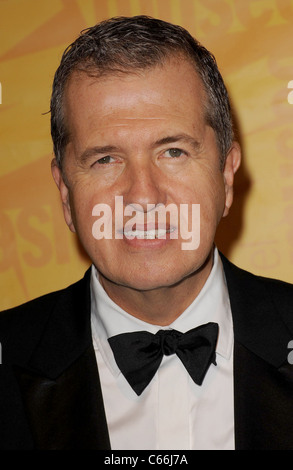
252 41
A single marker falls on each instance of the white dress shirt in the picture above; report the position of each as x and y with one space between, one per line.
173 413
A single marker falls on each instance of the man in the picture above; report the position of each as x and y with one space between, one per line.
141 118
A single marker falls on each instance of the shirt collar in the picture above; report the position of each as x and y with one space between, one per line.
211 305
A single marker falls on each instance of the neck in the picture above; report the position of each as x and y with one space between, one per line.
163 305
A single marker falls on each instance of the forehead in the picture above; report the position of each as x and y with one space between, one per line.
173 83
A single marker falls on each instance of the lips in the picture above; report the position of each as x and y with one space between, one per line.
149 234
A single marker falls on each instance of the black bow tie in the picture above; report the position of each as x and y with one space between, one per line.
139 354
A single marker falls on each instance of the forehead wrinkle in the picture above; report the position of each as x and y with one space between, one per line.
143 118
125 124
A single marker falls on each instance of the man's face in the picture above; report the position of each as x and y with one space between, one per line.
143 137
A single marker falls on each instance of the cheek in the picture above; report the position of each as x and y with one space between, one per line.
209 193
82 202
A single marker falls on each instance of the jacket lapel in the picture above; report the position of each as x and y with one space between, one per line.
263 379
60 382
263 404
67 412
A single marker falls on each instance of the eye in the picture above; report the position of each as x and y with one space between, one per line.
175 153
104 160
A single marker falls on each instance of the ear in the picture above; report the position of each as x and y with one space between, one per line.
64 193
232 164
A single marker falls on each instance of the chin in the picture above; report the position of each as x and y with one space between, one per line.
146 280
150 284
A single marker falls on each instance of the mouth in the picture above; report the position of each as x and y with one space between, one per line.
151 234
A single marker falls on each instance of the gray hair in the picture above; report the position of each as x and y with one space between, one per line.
129 44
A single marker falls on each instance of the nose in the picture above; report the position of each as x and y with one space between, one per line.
144 185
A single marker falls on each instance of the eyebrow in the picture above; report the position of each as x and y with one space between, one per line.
93 151
102 150
178 138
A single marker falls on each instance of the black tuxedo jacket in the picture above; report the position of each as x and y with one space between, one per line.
50 394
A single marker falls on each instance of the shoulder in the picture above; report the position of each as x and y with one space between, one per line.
276 286
263 291
28 319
